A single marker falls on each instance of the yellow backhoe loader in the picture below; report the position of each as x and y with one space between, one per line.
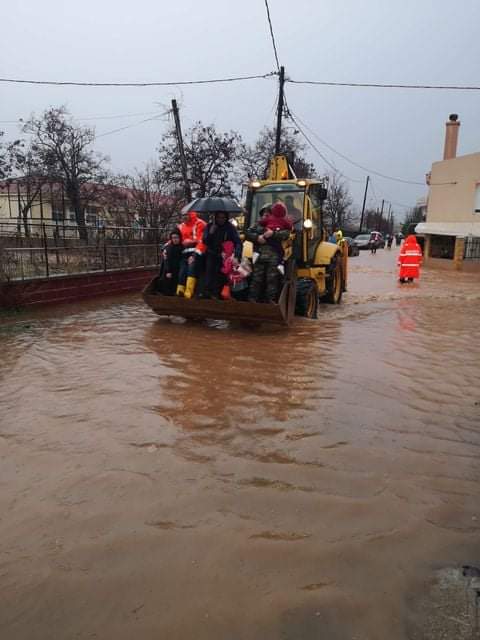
315 270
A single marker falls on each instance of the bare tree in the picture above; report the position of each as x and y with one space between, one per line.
4 159
255 158
413 217
65 151
28 176
210 156
337 207
150 200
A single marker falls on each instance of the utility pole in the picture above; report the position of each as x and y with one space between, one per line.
379 223
364 202
181 150
280 110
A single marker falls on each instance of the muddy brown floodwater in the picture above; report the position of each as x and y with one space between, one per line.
183 481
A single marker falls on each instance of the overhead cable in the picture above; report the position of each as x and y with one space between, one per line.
317 150
387 199
135 124
136 84
272 34
366 169
380 85
112 117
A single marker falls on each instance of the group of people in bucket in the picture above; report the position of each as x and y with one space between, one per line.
212 252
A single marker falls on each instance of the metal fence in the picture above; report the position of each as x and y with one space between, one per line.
50 249
472 249
40 233
20 263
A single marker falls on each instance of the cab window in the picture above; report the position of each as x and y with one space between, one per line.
291 196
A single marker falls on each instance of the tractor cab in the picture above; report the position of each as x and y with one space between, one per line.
303 199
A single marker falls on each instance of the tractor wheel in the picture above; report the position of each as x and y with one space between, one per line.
306 302
334 282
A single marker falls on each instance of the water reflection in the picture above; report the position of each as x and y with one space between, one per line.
332 465
257 385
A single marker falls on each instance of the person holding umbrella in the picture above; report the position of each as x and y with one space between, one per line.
216 233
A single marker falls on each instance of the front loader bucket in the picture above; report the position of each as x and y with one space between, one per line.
198 308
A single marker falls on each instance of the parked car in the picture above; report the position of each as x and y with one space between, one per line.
353 250
363 240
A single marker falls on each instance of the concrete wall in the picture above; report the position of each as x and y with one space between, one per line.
454 202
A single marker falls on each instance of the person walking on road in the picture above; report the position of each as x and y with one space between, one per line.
409 260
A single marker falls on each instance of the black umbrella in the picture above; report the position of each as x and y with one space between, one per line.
212 205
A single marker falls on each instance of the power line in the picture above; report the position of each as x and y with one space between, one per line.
366 169
116 117
112 117
316 149
242 78
136 84
387 199
272 34
135 124
380 85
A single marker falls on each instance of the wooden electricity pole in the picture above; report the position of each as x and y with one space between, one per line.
181 150
364 202
279 110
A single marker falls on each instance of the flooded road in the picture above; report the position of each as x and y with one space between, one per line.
168 480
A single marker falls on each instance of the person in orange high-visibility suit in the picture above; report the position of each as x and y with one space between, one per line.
191 230
409 260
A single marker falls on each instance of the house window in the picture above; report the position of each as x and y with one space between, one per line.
442 247
91 218
477 199
57 215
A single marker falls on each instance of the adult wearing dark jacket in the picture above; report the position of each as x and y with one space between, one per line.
215 234
172 260
267 242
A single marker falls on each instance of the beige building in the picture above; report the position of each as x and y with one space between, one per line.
21 206
452 226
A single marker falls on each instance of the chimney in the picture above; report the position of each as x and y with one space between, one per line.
451 137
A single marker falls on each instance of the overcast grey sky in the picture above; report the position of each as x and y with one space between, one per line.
394 131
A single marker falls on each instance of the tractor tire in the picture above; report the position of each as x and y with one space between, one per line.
334 282
306 301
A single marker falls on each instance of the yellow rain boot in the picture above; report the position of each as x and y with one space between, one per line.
190 287
180 290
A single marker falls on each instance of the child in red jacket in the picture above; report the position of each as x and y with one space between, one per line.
277 219
234 272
